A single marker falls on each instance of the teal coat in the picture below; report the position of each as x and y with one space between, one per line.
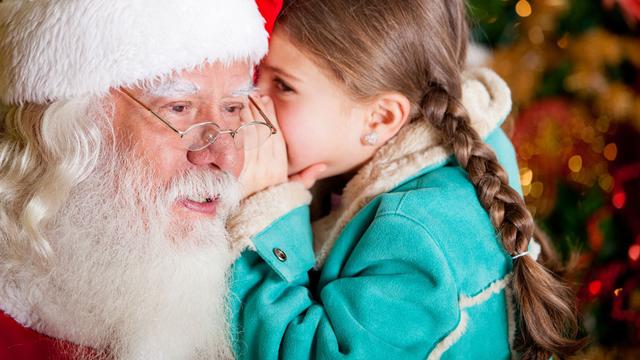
410 265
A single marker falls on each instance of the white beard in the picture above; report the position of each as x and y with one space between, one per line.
130 281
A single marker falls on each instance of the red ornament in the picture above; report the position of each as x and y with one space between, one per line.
619 199
595 287
634 252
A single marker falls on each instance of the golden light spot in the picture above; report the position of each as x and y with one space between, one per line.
606 182
536 35
634 301
527 151
563 42
611 151
523 8
575 163
526 176
537 188
602 124
597 145
617 291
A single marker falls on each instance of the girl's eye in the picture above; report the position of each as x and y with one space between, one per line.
282 86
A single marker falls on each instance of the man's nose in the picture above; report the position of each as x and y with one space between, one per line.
222 154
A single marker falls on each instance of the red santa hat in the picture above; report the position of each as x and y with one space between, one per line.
54 49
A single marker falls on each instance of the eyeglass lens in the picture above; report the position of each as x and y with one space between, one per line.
248 136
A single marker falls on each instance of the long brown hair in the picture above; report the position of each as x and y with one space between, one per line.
418 48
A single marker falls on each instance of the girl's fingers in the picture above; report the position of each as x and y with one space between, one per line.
266 107
310 175
269 110
266 164
277 143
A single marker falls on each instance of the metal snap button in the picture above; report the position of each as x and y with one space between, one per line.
280 254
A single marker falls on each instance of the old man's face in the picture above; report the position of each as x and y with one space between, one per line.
213 92
143 235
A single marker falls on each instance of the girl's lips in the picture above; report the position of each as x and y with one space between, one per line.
207 208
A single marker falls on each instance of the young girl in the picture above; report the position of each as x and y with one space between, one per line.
426 253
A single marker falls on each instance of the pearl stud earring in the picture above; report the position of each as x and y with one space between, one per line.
370 138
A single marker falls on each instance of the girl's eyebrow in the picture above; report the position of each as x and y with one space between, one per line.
281 72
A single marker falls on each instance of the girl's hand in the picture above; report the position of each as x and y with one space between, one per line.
265 165
310 175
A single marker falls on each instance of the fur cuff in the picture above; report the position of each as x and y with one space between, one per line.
260 210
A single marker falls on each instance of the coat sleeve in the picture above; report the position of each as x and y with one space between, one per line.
386 302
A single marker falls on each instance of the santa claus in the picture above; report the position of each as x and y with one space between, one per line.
119 154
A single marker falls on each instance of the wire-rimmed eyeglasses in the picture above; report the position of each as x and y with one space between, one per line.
199 136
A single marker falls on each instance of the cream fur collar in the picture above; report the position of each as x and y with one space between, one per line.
487 99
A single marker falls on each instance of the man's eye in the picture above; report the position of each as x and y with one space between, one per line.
178 108
233 109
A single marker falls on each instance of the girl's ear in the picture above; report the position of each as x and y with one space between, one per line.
388 113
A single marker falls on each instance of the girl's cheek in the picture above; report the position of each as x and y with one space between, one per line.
291 132
289 127
287 118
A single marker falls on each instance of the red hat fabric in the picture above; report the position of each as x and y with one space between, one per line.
269 10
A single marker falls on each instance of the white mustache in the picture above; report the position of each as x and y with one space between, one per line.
201 184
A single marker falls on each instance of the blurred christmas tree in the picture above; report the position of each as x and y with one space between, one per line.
573 67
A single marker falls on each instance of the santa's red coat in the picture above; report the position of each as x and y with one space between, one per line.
20 343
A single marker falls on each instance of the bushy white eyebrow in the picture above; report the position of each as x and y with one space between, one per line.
245 90
173 88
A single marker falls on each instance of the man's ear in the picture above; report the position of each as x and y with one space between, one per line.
388 113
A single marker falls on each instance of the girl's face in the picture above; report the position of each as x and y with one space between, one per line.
319 121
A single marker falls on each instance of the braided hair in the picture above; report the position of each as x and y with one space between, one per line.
418 48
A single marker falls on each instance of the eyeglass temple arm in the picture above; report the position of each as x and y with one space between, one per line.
264 116
151 111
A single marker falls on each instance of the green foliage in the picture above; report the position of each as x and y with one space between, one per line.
494 21
553 80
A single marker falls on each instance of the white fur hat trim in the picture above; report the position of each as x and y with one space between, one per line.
60 49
